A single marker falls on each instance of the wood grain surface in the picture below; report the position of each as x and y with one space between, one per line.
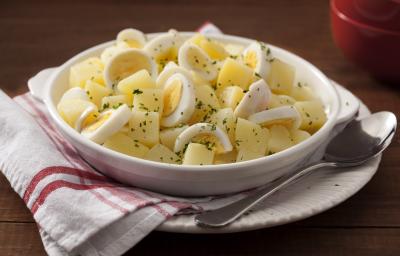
40 34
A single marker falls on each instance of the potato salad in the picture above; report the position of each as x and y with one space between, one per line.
191 101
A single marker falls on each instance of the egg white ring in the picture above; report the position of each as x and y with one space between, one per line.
75 93
170 69
202 128
279 113
131 34
124 56
109 52
255 100
170 64
162 43
113 124
186 105
183 61
89 110
263 66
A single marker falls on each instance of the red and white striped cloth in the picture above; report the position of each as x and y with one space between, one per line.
78 210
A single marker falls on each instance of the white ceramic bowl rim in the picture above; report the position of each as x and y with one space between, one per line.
331 121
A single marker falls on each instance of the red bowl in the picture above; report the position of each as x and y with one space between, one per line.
374 47
383 14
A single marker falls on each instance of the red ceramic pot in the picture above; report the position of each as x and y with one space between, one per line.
368 33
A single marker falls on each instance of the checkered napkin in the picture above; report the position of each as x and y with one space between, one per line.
78 210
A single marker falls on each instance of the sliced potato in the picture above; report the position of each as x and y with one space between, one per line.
231 96
71 110
144 127
299 136
162 154
225 158
246 154
89 69
251 136
279 139
281 77
226 120
124 144
198 154
168 136
198 80
114 101
302 92
280 100
207 104
234 73
96 92
312 114
139 80
148 100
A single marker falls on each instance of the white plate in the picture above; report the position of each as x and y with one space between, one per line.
314 194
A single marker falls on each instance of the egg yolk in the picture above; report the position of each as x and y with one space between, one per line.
196 39
133 43
164 57
210 141
127 65
172 96
213 49
251 59
102 119
90 119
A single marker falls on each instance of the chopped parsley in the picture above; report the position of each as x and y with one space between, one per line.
137 91
237 142
117 105
199 104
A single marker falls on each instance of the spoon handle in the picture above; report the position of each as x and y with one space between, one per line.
229 213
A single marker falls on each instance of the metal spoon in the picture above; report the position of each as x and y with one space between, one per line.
360 141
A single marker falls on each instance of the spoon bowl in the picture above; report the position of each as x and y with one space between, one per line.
360 141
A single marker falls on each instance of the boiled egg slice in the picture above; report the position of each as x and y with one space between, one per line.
131 37
192 57
86 117
285 115
164 48
234 49
170 69
179 100
125 63
199 129
255 100
108 123
109 52
258 56
75 93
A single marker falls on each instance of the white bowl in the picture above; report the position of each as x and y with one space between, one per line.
186 180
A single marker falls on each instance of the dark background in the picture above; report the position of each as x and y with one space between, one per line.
40 34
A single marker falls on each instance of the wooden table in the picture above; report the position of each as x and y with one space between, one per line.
40 34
